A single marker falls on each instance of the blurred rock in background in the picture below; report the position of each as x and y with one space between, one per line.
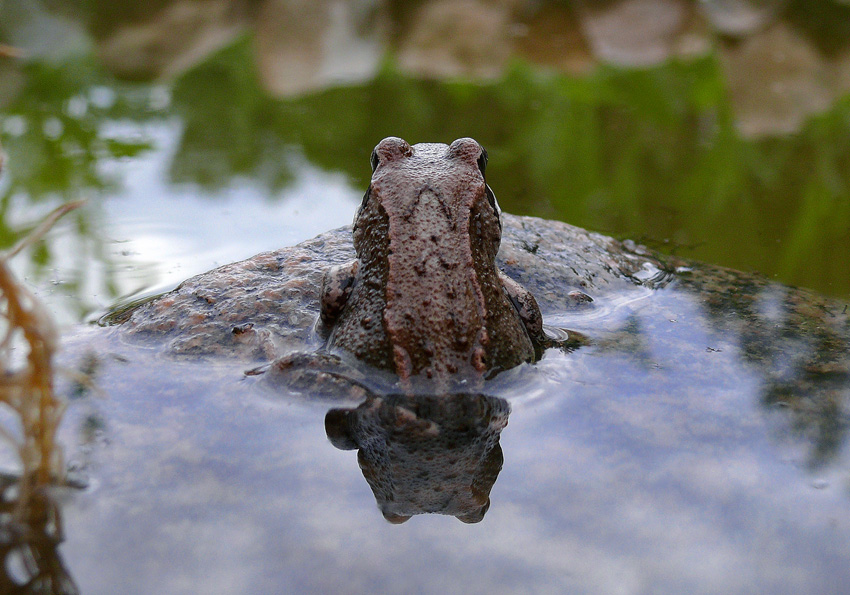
741 17
454 38
784 60
640 33
176 37
307 45
776 80
550 34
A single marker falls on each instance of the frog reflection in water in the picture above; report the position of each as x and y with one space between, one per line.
425 301
425 453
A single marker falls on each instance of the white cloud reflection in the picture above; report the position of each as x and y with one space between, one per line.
212 489
165 233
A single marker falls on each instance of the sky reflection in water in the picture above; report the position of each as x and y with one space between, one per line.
626 473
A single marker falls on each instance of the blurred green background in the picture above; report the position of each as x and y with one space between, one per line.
716 130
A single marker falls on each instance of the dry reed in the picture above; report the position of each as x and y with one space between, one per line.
30 521
27 386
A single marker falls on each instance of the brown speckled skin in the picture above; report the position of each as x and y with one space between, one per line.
427 298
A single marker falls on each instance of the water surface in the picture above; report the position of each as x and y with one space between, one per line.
709 130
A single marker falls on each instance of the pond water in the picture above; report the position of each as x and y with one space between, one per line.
697 445
213 488
204 132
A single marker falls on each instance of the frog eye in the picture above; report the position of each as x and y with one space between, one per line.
469 150
363 203
491 198
482 160
389 150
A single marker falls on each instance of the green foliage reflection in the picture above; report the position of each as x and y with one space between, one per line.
56 139
649 154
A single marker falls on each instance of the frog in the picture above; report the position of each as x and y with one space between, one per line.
424 297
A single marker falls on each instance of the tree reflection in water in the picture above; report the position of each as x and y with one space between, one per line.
796 340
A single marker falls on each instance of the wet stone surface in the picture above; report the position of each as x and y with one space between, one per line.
263 307
626 300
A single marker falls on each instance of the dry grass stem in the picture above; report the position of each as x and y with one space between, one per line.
30 521
29 342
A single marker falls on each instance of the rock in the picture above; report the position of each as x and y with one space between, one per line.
176 38
452 38
776 81
35 32
552 37
305 45
841 68
638 33
741 17
266 306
